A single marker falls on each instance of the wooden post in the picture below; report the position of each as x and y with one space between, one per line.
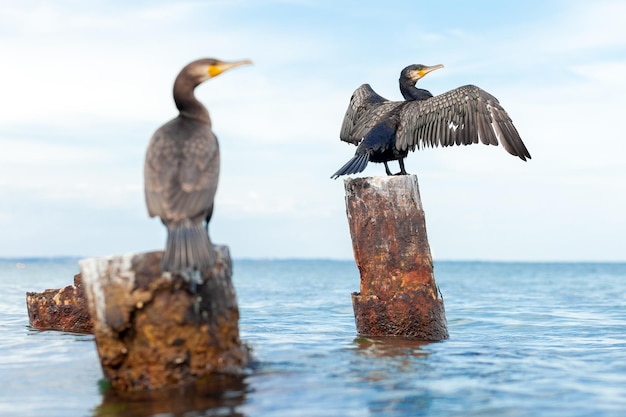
62 309
152 330
398 294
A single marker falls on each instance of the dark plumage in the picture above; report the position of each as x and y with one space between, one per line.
181 173
386 130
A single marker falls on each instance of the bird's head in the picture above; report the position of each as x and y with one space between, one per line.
203 69
416 71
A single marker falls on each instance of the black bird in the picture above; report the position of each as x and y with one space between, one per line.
386 130
181 173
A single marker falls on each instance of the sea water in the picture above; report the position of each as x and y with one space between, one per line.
526 339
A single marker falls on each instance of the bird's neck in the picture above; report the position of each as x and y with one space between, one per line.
186 102
410 92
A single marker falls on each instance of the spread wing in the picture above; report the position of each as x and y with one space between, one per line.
181 176
364 111
463 116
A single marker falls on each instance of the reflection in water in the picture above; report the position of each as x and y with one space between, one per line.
387 358
219 395
391 347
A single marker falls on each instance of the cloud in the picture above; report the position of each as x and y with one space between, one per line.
589 26
86 84
38 172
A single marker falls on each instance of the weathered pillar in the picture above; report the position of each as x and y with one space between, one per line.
398 294
152 330
62 309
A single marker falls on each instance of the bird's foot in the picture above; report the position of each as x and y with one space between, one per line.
402 169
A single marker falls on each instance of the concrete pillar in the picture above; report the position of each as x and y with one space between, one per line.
152 330
398 294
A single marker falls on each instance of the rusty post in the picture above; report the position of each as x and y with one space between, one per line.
153 331
398 294
62 309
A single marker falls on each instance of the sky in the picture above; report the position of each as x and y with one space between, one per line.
85 84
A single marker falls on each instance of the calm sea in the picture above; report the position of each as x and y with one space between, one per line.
526 339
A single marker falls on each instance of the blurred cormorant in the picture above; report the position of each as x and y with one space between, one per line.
181 173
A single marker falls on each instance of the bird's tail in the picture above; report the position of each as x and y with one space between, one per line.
188 250
353 166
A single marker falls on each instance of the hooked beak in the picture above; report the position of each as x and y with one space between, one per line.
216 69
426 70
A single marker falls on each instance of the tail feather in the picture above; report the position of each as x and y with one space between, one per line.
188 248
353 166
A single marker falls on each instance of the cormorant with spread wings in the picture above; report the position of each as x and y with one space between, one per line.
386 130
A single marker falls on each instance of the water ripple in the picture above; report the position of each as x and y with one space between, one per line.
525 340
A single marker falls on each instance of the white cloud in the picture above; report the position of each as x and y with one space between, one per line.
587 25
609 74
44 172
85 84
20 153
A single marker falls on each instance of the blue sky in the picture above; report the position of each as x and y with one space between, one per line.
85 84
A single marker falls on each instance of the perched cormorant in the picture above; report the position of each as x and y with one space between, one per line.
181 172
386 130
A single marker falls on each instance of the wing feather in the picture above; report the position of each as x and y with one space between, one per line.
371 118
462 116
363 112
181 175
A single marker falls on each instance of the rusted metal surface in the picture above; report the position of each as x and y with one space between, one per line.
398 294
414 314
153 331
62 309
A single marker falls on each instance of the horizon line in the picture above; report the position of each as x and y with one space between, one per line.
319 259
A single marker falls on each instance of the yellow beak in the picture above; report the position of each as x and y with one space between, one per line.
426 70
216 69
